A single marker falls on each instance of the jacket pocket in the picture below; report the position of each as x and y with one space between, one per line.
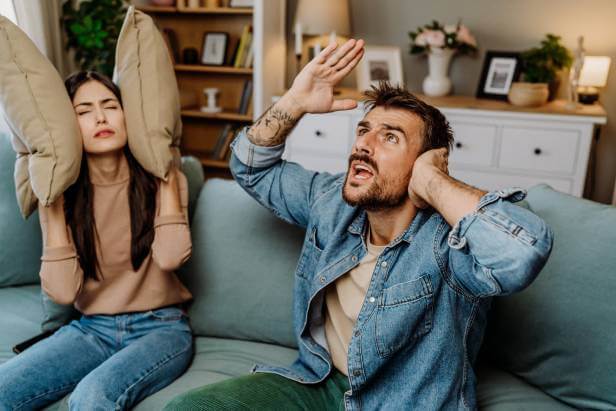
404 314
311 253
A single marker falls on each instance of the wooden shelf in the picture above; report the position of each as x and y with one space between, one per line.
217 116
200 10
217 10
212 69
156 9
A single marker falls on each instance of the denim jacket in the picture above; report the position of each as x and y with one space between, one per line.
422 320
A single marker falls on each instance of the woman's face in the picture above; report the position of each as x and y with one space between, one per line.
100 118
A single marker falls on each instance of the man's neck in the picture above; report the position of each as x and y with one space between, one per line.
386 225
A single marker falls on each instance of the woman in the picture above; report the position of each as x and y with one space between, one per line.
111 247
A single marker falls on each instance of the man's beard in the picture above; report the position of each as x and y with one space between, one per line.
381 195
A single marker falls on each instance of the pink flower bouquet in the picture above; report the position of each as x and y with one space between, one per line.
457 37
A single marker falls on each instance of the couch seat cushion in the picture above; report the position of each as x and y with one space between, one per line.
20 317
216 359
501 391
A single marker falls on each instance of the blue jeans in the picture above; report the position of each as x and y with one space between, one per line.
109 362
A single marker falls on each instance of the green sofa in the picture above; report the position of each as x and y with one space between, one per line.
547 348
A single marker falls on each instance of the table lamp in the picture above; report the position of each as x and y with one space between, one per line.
594 74
318 18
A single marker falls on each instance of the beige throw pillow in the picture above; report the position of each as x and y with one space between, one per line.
144 72
39 113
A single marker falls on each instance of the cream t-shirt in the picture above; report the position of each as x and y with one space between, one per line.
343 302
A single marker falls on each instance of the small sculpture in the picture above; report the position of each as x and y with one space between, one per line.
574 74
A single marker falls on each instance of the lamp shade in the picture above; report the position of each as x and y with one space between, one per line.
594 71
319 17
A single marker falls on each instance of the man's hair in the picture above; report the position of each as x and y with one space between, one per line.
436 130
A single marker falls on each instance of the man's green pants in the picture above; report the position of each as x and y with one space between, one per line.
265 392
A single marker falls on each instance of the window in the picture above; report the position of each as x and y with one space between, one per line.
7 10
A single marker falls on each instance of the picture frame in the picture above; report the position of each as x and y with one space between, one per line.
380 63
500 69
214 48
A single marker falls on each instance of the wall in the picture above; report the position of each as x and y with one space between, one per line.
497 25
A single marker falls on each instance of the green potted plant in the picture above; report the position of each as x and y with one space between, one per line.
92 28
540 67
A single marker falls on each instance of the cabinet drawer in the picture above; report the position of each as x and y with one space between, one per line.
496 181
474 143
539 149
314 162
323 133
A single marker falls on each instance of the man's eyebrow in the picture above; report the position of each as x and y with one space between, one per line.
363 124
395 128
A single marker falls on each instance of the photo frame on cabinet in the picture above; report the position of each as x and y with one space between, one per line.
500 70
380 63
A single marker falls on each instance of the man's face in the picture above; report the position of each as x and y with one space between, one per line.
386 145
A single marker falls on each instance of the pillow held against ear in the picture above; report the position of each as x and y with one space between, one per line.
144 72
44 128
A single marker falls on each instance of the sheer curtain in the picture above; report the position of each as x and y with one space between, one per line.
40 19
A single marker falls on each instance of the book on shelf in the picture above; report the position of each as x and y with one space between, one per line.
221 149
243 47
220 141
246 97
226 145
250 56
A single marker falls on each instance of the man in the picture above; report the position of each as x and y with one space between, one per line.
390 300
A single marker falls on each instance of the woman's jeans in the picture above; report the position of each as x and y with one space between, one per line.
109 362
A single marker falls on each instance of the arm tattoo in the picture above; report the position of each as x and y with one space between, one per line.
272 128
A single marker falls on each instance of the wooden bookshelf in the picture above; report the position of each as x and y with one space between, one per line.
201 131
213 69
227 116
201 10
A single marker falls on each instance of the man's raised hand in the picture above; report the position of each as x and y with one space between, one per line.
313 88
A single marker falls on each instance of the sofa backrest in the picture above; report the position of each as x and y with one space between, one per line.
241 272
20 240
559 334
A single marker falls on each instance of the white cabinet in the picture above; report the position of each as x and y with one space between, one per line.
494 148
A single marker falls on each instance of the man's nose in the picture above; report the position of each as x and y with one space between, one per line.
365 143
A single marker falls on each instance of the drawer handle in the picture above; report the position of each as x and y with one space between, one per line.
537 151
318 133
458 144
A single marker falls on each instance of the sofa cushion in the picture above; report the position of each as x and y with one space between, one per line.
215 360
20 317
20 240
242 268
501 391
559 334
41 117
150 96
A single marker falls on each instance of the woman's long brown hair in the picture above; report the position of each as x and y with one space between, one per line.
79 198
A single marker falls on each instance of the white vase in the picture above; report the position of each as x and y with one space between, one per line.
438 83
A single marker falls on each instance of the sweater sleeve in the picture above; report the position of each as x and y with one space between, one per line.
61 274
172 244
